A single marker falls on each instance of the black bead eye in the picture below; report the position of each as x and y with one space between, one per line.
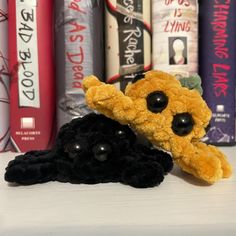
101 151
157 102
120 133
182 124
73 149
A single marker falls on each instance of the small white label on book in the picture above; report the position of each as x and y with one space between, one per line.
27 123
32 3
220 108
27 53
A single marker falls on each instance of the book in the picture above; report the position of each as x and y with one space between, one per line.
79 30
127 40
4 80
217 61
32 89
175 36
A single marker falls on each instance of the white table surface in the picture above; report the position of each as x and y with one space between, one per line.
179 205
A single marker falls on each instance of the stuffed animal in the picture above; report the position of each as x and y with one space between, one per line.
91 150
170 116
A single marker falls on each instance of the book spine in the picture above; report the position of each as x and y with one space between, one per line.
217 67
32 89
4 80
79 52
127 40
175 36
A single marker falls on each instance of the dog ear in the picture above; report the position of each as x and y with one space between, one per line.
31 168
108 100
192 82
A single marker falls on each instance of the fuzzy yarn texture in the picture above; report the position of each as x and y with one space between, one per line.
169 115
192 82
90 150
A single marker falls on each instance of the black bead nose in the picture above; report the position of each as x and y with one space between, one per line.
182 124
157 102
101 151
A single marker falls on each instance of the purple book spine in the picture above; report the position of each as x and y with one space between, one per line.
217 62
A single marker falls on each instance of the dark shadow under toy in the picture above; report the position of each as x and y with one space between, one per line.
90 150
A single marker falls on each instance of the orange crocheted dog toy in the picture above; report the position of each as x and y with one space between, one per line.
170 116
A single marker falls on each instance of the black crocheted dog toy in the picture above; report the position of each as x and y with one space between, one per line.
90 150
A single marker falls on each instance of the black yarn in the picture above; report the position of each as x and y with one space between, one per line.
90 150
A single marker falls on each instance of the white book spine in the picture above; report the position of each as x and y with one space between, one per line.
175 36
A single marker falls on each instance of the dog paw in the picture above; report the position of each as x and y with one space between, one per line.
143 174
30 168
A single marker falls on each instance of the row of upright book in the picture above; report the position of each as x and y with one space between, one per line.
47 47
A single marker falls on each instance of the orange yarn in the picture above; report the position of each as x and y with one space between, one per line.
206 162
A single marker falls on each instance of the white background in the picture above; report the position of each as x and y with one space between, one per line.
181 204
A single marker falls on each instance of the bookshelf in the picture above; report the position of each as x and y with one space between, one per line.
179 205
